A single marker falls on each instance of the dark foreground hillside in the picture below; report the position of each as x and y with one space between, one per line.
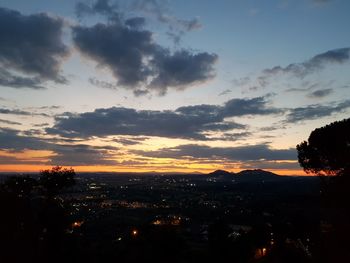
245 217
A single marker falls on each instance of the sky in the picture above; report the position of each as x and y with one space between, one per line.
169 86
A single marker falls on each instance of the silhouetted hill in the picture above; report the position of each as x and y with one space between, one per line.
221 173
257 172
256 175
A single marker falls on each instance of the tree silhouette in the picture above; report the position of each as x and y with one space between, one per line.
327 151
33 223
54 180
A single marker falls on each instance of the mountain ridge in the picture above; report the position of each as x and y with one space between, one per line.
245 175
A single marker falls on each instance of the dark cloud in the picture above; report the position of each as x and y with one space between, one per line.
129 51
321 93
190 122
136 22
140 92
41 124
119 48
318 62
315 90
21 112
30 44
316 111
130 140
103 7
52 107
5 159
124 121
135 60
254 106
225 92
83 155
102 84
160 10
241 153
180 69
9 122
7 79
64 154
12 140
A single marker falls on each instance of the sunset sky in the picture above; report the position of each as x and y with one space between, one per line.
169 86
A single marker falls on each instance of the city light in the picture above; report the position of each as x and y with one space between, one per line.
135 232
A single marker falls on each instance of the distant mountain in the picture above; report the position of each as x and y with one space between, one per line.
257 172
257 175
221 173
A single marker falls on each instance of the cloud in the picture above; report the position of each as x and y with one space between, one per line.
9 122
21 112
102 84
13 141
140 92
131 54
7 79
130 140
241 153
41 124
180 69
316 63
52 107
83 155
160 10
316 111
321 93
254 106
136 22
137 61
190 122
31 45
225 92
298 70
151 8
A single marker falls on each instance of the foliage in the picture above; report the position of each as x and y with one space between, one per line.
33 221
327 151
56 179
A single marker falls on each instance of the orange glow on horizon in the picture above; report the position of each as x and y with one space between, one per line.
37 168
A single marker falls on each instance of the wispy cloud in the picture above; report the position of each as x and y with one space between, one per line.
316 111
318 62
